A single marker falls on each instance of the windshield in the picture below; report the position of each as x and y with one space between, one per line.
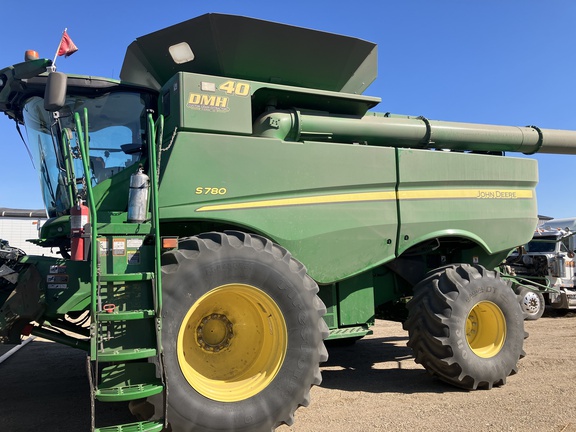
542 244
116 123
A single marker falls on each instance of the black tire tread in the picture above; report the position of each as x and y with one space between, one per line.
430 320
216 243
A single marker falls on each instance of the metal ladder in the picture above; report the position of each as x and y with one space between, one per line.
126 302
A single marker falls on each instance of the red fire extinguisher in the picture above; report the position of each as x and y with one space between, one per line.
79 217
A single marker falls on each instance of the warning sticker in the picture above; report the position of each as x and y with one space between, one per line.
134 243
119 247
103 246
57 279
57 269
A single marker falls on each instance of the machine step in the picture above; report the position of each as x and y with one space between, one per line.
349 332
128 381
144 426
125 354
126 315
126 277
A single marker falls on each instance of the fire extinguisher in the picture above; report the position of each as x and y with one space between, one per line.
79 217
138 196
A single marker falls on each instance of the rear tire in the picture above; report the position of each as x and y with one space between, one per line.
531 302
466 327
242 333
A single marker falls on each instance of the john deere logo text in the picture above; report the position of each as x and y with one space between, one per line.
497 194
206 102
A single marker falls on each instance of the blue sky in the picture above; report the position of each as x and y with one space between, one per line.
497 62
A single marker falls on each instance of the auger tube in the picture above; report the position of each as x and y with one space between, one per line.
414 132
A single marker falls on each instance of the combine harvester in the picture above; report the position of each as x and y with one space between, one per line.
232 201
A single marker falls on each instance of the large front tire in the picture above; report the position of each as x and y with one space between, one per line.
242 334
466 327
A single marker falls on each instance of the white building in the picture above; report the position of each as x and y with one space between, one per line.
17 226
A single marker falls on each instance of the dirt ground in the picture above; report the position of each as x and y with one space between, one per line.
373 385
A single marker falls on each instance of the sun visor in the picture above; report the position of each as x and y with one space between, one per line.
250 49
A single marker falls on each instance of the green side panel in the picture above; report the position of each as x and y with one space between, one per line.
207 103
388 287
68 287
353 300
112 194
475 196
332 206
328 296
66 284
356 300
122 253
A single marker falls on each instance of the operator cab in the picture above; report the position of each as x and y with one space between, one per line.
116 126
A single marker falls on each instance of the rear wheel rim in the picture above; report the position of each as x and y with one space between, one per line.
486 329
531 303
232 342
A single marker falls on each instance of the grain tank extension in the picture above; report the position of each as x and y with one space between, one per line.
234 200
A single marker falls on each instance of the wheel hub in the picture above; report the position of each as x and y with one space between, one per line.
214 332
531 303
486 329
232 342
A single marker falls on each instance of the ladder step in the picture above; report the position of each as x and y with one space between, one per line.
128 381
120 354
126 315
126 277
128 393
144 426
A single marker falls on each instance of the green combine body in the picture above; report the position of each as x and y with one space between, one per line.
233 201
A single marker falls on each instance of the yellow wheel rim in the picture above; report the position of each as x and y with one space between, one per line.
232 343
486 329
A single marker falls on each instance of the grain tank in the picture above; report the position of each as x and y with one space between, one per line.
282 210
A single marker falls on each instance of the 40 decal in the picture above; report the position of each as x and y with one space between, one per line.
235 88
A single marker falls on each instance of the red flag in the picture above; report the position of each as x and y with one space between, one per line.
67 47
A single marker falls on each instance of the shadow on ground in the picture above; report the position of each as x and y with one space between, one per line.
44 386
378 365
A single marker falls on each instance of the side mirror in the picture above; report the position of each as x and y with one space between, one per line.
55 91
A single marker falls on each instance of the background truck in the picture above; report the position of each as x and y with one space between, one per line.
543 270
568 226
233 201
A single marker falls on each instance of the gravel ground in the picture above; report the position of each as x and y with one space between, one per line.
373 385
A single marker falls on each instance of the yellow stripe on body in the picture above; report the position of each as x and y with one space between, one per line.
321 199
510 194
467 193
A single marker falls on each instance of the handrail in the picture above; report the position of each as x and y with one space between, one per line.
82 134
